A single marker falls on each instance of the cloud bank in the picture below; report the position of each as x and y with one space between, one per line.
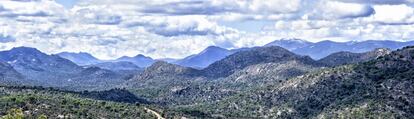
177 28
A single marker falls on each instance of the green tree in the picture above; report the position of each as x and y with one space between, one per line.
14 114
42 117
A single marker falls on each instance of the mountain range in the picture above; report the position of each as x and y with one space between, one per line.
322 49
378 88
40 69
212 54
273 81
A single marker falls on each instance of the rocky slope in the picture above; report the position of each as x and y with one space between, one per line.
176 85
240 60
380 88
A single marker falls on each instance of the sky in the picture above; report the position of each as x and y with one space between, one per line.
109 29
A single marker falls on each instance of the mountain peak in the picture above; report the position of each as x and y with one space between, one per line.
25 49
205 57
139 60
290 44
346 57
160 67
242 59
140 55
80 58
214 47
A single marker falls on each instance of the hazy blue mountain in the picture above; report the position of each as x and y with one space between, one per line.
81 58
55 71
139 60
325 48
36 65
290 44
322 49
206 57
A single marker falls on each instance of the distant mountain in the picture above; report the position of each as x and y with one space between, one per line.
139 60
206 57
322 49
36 65
344 57
54 71
258 55
81 58
117 66
290 44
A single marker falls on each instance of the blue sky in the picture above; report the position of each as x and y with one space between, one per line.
177 28
67 3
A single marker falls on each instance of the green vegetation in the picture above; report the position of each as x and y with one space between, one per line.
380 88
293 87
18 102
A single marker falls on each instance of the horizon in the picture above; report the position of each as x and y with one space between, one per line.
179 28
160 59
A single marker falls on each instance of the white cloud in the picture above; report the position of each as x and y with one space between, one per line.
393 14
389 2
326 9
177 28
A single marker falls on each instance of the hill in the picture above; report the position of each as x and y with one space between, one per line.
380 88
240 60
343 58
139 60
80 58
